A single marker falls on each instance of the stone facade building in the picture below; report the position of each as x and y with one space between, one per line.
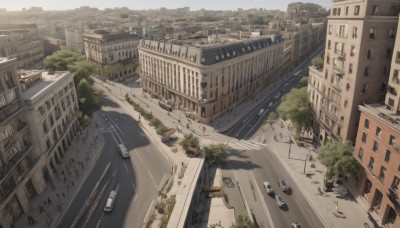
358 51
37 123
112 49
74 39
207 80
22 42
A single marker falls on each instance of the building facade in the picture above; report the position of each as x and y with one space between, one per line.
22 42
74 39
112 49
359 45
208 80
17 156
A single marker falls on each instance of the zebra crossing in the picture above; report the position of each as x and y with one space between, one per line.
247 145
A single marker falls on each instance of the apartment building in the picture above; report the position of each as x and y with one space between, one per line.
377 149
18 181
358 50
74 39
207 80
110 49
22 42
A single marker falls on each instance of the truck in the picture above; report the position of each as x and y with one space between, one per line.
122 149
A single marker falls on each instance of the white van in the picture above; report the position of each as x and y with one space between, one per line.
122 149
110 201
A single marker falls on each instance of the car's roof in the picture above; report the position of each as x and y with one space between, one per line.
113 193
266 182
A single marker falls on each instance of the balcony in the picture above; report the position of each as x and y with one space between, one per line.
10 110
394 198
340 54
329 114
337 70
10 165
337 86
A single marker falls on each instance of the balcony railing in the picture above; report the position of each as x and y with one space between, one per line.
338 70
337 86
340 54
10 109
394 198
4 170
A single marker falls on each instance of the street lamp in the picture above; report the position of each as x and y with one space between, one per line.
290 146
305 163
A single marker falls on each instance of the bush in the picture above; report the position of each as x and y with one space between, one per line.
217 194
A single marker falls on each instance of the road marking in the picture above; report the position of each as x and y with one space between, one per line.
134 189
301 208
264 206
162 179
144 221
135 198
126 168
140 158
150 174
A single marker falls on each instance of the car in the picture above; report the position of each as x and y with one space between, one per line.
261 112
270 104
268 188
282 184
295 225
122 149
110 201
277 96
280 201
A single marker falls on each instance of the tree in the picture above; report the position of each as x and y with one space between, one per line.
216 153
296 107
318 62
88 97
61 60
84 120
338 159
303 82
243 221
82 70
189 141
271 117
124 15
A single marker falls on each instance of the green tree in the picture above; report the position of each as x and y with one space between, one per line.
216 153
296 107
189 141
338 158
271 117
84 120
88 98
61 60
243 221
303 82
124 15
82 70
318 62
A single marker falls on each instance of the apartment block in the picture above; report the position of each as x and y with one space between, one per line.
74 39
110 49
358 51
18 180
207 80
22 42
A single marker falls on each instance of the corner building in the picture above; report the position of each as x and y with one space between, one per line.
359 46
207 80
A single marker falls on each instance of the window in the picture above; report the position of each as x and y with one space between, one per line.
352 50
398 57
395 183
330 29
327 59
372 33
350 68
364 137
342 31
360 153
347 10
347 87
354 35
382 174
374 10
375 146
346 103
387 156
329 45
388 53
392 140
369 53
396 77
366 71
366 123
371 163
378 132
357 10
392 33
364 88
383 86
386 69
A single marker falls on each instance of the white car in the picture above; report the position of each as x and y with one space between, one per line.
261 112
270 104
110 201
277 96
280 201
268 188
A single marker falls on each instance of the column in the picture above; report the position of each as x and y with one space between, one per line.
22 199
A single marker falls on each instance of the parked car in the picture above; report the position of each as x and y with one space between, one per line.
280 201
261 112
110 201
295 225
282 184
268 188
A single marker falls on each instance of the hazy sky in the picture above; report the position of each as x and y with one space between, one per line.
154 4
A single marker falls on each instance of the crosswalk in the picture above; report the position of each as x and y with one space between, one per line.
247 145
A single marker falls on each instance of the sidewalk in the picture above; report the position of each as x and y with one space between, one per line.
336 209
48 207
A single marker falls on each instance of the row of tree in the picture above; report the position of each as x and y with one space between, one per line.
88 96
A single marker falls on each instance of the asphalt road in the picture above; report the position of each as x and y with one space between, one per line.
136 179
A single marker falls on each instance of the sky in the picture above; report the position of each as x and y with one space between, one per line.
12 5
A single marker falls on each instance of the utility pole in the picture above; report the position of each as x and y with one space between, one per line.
305 163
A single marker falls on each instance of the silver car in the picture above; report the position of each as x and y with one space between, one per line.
268 188
280 201
283 186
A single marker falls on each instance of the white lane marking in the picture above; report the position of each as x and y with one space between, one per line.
301 208
162 179
126 168
134 188
264 206
150 174
135 198
140 158
144 221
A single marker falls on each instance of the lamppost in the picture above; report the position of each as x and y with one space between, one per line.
290 146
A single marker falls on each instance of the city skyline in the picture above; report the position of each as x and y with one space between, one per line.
17 5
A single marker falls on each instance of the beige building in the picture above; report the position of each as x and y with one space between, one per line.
206 80
18 159
112 49
358 52
36 130
74 39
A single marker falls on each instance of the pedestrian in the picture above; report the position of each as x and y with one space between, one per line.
73 183
34 221
63 194
73 161
48 200
59 208
41 209
29 218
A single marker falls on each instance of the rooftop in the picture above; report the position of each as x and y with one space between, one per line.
385 115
